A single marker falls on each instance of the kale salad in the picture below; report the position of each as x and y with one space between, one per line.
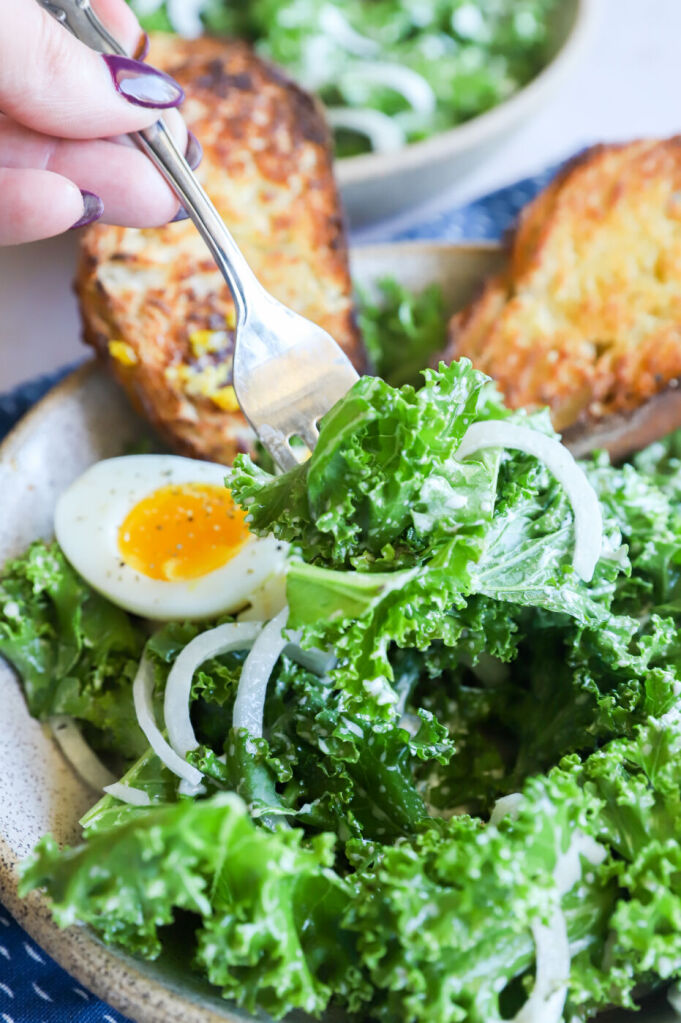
431 772
388 71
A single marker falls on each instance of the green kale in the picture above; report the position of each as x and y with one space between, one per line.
402 544
382 482
148 775
443 920
75 652
471 663
268 906
339 771
436 926
402 331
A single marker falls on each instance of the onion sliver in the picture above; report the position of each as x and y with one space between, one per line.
552 971
568 869
84 761
185 17
128 794
221 640
249 706
559 461
319 662
674 997
506 806
383 132
142 692
552 946
412 86
334 23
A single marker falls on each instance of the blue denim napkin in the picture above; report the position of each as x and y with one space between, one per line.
484 219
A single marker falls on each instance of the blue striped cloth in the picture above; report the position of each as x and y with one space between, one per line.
33 989
486 219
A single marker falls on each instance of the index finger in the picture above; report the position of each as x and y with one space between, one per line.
51 82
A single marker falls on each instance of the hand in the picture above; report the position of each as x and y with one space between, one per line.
63 105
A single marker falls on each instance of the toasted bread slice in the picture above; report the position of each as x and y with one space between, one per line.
153 304
586 316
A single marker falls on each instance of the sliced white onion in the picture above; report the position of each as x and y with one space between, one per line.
559 461
318 58
319 662
128 794
383 132
552 969
185 16
569 869
142 692
221 640
552 947
506 806
185 788
674 997
334 23
249 706
84 760
412 86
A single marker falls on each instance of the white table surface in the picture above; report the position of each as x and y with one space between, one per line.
628 85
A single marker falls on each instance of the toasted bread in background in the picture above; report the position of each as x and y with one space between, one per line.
586 316
153 304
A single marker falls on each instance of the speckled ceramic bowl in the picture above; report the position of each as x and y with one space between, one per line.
82 420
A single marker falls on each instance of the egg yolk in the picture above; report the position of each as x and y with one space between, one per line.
182 532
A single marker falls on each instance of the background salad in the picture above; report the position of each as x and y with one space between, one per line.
473 814
389 71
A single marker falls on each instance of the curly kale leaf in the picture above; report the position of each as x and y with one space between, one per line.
76 653
402 331
401 543
344 771
384 458
443 919
433 927
267 905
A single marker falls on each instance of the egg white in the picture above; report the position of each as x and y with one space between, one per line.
90 513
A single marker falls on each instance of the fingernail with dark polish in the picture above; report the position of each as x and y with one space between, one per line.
143 85
180 215
142 51
93 207
194 153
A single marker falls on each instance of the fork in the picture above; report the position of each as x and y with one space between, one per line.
287 371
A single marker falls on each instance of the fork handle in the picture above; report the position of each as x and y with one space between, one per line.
158 143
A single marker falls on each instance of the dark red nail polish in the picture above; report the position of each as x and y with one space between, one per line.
143 85
180 215
93 207
194 153
142 51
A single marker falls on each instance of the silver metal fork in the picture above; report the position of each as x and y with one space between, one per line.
287 371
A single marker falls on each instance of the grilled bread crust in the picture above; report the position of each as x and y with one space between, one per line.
586 316
153 304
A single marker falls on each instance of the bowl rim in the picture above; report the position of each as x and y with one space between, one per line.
352 170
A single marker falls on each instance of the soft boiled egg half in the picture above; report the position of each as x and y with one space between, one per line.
160 536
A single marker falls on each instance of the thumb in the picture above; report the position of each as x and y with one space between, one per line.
51 82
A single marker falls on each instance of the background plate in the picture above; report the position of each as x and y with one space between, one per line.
379 184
